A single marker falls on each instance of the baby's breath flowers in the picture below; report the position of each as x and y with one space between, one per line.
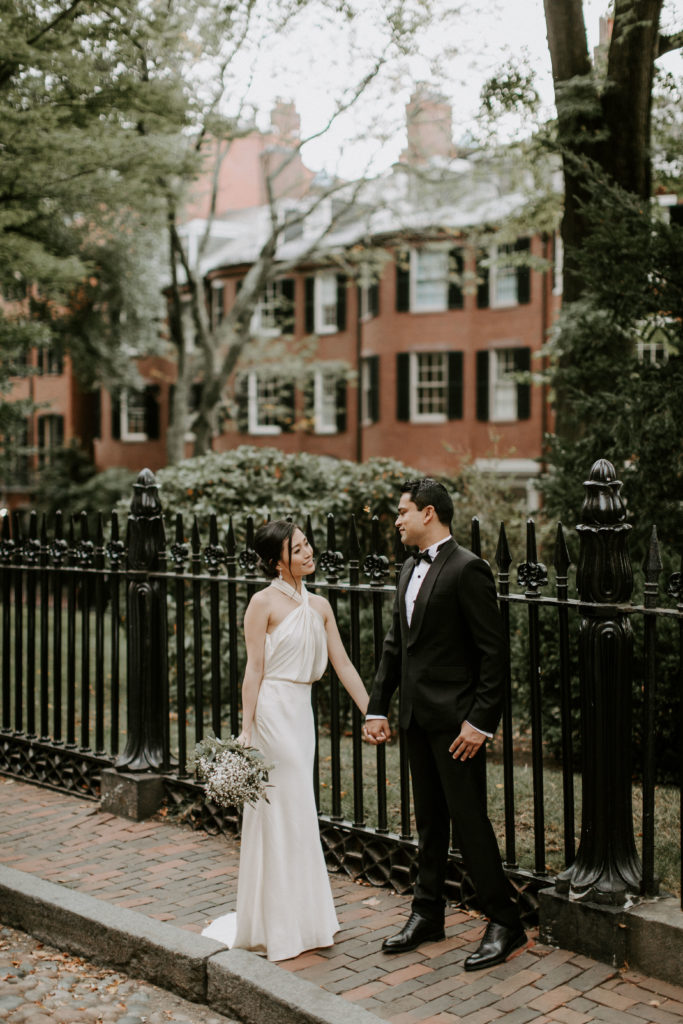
234 775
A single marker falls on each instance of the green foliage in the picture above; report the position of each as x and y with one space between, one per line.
70 484
266 482
625 408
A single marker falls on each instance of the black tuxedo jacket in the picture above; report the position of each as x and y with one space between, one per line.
449 663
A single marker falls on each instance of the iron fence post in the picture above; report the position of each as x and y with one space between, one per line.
147 642
607 865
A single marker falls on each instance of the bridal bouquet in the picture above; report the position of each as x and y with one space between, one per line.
234 775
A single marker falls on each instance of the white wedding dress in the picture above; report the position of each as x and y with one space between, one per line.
284 900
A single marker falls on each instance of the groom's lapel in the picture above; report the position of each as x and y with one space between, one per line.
444 553
403 581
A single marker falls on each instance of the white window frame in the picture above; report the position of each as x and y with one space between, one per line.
427 417
558 268
323 422
365 392
496 382
321 280
496 274
418 305
124 431
254 400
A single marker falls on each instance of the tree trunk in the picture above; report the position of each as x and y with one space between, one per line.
627 95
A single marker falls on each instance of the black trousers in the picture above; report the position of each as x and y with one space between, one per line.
444 789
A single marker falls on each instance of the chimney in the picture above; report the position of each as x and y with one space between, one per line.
285 122
429 123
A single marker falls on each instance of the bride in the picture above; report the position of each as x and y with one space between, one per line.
284 900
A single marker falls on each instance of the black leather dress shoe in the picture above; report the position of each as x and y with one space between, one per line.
497 945
416 930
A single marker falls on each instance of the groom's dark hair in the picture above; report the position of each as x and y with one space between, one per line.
268 541
425 492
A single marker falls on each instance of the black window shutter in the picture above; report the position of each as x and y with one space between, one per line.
455 268
482 386
523 274
115 415
523 363
455 361
341 302
373 362
171 398
403 386
402 283
483 286
373 299
242 402
59 431
41 433
284 314
309 326
341 405
152 412
286 402
309 402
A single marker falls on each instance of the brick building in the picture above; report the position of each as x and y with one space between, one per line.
414 361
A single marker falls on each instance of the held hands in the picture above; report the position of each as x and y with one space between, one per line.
377 731
467 743
245 738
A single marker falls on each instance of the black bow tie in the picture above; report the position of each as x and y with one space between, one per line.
422 556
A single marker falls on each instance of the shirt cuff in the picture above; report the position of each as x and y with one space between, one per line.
482 731
368 718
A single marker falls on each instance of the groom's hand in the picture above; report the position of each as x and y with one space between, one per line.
467 743
376 731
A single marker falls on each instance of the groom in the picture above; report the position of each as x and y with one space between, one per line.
445 654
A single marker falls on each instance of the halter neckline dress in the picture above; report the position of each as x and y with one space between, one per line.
284 900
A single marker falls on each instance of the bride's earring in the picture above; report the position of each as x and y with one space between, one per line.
279 574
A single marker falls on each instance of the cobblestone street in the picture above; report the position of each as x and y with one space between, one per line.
40 985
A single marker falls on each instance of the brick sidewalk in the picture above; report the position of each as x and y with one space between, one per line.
173 874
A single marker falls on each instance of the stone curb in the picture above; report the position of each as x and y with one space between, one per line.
232 982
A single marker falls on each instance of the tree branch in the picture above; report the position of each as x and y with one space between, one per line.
669 43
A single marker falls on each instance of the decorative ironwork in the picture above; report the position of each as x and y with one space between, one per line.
376 567
606 865
180 554
59 551
116 550
249 561
84 553
675 587
59 768
7 547
147 694
30 551
332 563
214 556
532 575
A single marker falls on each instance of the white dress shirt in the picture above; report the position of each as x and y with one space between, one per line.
413 589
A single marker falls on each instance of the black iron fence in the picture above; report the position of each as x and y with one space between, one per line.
124 654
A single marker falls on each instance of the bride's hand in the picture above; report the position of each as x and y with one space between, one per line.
245 738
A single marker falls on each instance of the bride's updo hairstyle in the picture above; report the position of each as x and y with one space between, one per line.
269 540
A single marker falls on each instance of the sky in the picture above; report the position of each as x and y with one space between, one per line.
456 57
